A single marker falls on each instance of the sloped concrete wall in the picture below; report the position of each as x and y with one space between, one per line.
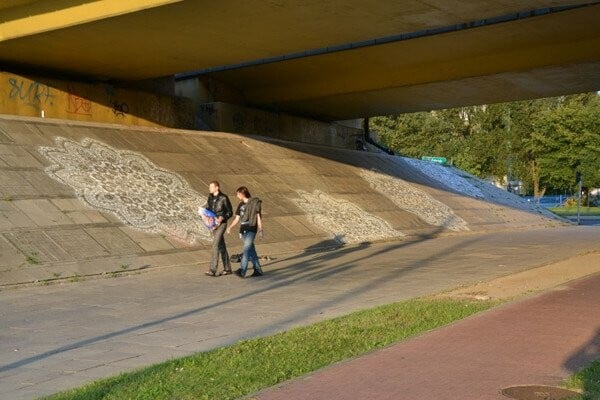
83 199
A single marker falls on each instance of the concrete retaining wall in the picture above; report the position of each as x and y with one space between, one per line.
52 98
226 117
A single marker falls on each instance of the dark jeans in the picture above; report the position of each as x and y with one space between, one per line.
249 253
219 248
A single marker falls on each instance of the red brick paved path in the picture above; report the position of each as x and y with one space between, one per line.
539 340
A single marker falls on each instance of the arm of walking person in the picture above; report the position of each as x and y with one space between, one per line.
233 223
220 209
259 225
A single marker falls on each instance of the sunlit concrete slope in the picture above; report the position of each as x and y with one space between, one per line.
83 199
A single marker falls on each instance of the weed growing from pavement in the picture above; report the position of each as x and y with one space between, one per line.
33 259
588 381
250 365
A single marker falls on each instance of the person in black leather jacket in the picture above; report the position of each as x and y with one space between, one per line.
248 214
219 204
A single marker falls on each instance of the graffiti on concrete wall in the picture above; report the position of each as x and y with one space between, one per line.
128 185
119 108
409 198
208 110
41 96
347 222
31 93
78 105
207 117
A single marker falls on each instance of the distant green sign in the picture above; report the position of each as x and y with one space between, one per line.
439 160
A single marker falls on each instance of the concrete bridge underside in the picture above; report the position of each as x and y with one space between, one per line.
438 63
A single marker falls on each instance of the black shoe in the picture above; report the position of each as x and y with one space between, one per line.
240 273
257 273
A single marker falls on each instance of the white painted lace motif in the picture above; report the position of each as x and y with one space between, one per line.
413 200
445 176
129 185
347 222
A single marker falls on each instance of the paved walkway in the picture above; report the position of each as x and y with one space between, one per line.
537 341
61 336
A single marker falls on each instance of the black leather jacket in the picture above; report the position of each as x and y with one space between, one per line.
220 205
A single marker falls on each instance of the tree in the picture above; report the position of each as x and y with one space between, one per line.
540 142
567 139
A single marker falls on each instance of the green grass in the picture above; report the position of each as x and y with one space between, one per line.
588 381
572 211
250 365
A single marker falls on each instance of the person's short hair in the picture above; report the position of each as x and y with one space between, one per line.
216 183
243 190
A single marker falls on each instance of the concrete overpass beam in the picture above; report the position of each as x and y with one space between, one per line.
30 18
487 51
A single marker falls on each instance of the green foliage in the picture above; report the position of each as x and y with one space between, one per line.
588 381
570 202
540 142
567 139
248 366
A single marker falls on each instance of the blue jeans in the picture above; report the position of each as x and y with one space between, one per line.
249 253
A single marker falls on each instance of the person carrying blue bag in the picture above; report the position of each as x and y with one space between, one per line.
220 206
248 215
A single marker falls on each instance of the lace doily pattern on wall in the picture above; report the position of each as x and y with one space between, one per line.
347 222
415 201
128 185
446 177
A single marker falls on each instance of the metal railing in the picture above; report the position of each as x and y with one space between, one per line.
548 201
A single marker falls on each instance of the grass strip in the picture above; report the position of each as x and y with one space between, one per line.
588 381
251 365
572 211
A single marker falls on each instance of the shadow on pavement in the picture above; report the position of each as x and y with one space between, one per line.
582 358
297 272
